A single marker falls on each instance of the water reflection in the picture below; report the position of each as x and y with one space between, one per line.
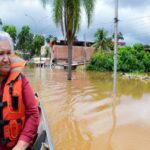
81 113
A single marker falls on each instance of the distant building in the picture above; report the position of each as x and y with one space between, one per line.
80 53
147 49
120 43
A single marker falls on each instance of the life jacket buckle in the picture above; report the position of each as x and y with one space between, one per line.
13 129
1 98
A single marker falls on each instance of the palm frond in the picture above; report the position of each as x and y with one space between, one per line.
89 7
57 15
72 17
45 2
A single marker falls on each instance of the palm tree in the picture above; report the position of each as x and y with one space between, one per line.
49 38
102 42
119 36
67 15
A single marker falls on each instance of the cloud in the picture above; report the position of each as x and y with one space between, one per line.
134 18
29 13
102 17
134 4
133 24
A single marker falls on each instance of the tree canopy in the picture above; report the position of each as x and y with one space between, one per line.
102 41
11 30
38 41
67 15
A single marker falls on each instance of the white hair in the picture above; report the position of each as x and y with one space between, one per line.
4 36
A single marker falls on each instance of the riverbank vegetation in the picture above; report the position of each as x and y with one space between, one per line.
134 59
130 59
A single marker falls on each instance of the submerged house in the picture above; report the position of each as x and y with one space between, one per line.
80 52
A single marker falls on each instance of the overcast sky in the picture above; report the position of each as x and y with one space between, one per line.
134 16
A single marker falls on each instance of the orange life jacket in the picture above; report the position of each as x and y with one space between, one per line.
12 108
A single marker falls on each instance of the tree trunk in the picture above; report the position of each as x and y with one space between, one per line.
23 54
40 59
51 57
69 76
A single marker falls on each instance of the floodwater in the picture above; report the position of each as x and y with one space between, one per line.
83 115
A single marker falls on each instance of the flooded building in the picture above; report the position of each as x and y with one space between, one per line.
80 52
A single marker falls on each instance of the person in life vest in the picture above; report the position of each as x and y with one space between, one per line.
19 115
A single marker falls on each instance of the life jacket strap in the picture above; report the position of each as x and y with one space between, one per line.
18 120
3 104
1 98
5 141
4 122
11 87
1 132
14 98
15 102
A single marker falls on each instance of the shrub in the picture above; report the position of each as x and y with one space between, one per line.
31 64
130 59
101 62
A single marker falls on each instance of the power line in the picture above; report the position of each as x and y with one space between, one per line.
136 18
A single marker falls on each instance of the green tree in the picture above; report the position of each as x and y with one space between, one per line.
119 37
138 47
49 38
101 61
130 59
110 43
47 51
11 30
102 42
147 62
146 46
25 40
67 14
38 42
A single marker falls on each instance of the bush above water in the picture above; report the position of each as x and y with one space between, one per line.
130 59
101 62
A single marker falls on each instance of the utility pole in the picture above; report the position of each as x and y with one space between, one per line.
1 23
115 46
114 118
84 52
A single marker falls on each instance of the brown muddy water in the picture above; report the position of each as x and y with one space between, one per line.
83 115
